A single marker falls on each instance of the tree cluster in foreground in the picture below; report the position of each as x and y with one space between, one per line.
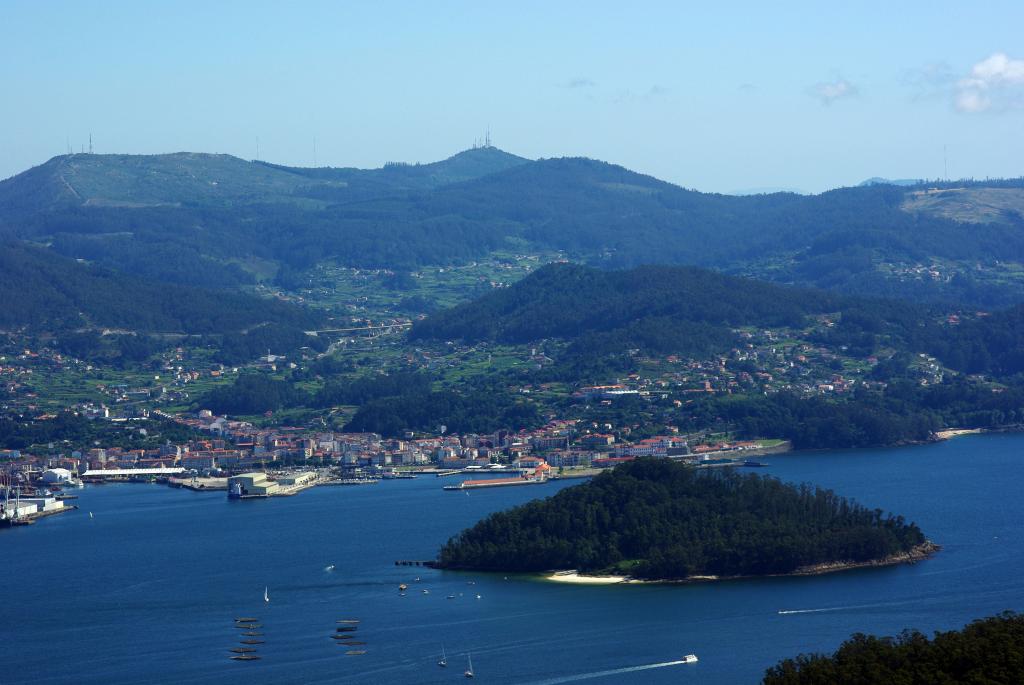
658 519
989 650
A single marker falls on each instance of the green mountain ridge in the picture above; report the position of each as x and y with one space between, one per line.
202 179
166 216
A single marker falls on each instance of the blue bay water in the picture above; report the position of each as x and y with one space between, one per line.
147 590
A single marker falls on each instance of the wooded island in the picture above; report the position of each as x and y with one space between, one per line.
655 519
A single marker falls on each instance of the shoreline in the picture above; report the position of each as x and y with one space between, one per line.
918 553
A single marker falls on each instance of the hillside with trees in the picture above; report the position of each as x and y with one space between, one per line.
666 309
97 313
180 216
694 312
41 289
989 650
657 519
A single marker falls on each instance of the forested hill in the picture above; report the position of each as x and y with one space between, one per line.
682 310
166 216
989 650
47 292
693 312
658 519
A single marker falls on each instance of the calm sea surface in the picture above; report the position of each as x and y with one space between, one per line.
147 590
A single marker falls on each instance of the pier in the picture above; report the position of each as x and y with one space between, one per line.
29 519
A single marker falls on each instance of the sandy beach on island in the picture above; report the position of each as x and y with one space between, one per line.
573 577
954 432
914 555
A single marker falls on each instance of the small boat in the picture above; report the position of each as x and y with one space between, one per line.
348 620
248 626
246 620
266 594
478 596
346 629
252 633
426 592
356 652
443 663
90 514
251 642
469 669
343 637
242 650
690 659
403 587
416 579
353 643
246 657
329 568
450 597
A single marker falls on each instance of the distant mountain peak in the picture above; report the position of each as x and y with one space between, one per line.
879 181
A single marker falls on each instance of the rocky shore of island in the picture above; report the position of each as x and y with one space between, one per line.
917 553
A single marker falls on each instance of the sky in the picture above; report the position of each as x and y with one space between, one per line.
797 95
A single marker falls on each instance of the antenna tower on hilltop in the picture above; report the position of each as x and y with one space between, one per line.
487 139
90 143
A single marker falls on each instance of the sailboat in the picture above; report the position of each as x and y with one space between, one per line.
469 669
443 663
266 594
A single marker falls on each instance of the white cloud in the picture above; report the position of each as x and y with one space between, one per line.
830 91
972 100
996 80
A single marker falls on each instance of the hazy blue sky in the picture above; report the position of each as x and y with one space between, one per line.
736 96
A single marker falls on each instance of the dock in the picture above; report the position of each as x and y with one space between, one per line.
447 472
494 483
29 519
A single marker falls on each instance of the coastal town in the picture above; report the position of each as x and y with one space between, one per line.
583 437
249 461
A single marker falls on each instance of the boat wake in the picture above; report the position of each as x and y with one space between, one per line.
614 671
810 611
789 612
